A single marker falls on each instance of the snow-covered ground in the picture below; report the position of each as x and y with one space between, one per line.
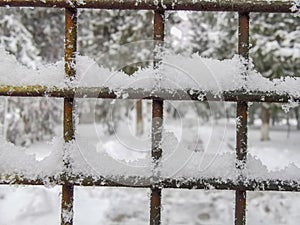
99 205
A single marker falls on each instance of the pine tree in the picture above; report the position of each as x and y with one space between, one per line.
274 39
118 40
27 34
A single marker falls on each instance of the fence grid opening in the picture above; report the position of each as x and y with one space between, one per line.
68 181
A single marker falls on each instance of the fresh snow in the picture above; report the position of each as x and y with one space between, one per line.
109 158
15 161
296 7
175 72
131 206
14 73
189 150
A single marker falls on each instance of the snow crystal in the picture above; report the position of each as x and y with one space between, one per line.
155 2
67 214
291 104
80 2
296 7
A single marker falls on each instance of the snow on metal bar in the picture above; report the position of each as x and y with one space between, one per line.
195 5
99 169
179 183
176 74
130 93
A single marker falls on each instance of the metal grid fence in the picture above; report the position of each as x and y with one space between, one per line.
243 8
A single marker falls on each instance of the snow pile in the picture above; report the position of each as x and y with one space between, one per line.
255 169
176 72
126 206
13 73
15 161
284 85
180 160
179 72
88 160
118 160
195 72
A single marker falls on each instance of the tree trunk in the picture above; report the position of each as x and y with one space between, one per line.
251 115
265 118
139 118
297 117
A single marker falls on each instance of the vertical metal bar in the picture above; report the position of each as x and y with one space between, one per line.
157 123
243 42
70 71
241 128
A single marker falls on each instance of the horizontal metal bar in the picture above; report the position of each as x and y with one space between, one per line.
179 183
166 94
191 5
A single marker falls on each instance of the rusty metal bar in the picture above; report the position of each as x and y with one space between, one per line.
68 129
155 198
102 92
190 5
174 183
241 127
243 34
157 123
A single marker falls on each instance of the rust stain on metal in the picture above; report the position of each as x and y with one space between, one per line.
67 204
159 25
155 206
68 119
240 210
158 35
144 182
242 116
70 41
243 43
157 122
68 129
241 133
176 94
